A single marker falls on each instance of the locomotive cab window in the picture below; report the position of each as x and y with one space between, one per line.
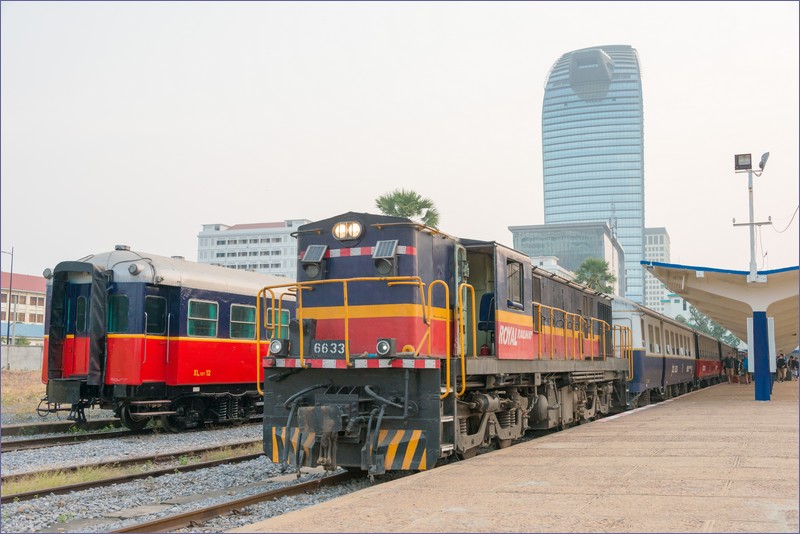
80 315
514 284
202 319
156 310
117 314
243 321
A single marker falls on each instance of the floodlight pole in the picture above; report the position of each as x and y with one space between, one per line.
753 275
753 272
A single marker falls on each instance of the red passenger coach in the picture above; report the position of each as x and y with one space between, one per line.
153 337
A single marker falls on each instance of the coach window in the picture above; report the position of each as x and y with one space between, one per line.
156 310
202 318
282 331
514 284
243 321
80 315
117 314
650 337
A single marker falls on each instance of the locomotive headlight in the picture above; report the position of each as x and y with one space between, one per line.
279 347
134 269
347 230
385 347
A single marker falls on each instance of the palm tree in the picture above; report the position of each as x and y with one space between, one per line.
595 274
407 203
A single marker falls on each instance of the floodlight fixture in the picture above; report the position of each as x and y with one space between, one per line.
763 162
743 162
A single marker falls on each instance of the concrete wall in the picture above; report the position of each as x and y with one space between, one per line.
21 358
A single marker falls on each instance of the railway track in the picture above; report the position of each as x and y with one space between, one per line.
195 517
50 427
71 439
140 460
60 490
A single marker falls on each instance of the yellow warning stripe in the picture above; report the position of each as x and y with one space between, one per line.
392 450
412 447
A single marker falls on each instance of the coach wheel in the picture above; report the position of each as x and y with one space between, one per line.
131 421
173 424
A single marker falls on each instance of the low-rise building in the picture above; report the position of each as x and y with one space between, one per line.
261 247
22 307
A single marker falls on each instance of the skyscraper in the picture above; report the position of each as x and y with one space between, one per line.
592 145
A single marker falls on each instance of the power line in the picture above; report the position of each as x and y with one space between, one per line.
790 222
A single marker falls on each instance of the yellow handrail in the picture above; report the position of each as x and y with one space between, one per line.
261 293
462 350
447 328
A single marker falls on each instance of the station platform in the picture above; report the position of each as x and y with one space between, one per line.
714 460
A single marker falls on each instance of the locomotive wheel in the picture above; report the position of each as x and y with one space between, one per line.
644 398
467 454
503 443
130 421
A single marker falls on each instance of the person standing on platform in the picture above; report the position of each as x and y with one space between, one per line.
793 367
744 376
780 365
727 364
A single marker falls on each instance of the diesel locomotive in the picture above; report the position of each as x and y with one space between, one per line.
415 346
149 336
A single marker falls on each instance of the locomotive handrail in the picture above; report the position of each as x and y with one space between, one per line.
269 326
604 327
447 333
462 345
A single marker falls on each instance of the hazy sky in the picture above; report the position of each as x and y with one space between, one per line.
136 123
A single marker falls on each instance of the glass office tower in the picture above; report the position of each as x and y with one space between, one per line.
592 143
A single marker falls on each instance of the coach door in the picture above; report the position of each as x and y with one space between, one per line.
156 334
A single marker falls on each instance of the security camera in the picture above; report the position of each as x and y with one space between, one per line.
763 162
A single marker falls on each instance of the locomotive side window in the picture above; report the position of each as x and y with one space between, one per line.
514 284
284 322
202 318
156 310
243 321
80 315
117 313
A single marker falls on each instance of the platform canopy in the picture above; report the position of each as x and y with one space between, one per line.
729 299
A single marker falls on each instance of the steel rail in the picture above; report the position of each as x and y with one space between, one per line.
170 523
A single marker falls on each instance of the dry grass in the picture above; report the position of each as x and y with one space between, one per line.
45 481
21 391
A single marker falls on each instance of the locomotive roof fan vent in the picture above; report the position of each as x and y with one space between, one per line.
122 247
385 258
314 261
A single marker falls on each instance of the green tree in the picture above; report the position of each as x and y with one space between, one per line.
410 204
595 273
700 321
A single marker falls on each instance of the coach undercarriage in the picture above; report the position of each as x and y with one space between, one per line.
177 408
